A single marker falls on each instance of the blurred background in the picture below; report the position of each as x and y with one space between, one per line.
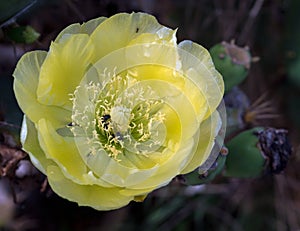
270 28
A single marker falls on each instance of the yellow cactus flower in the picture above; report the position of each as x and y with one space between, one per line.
116 109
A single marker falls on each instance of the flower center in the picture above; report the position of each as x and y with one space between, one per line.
120 117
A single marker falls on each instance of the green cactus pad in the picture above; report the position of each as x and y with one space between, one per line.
232 62
244 158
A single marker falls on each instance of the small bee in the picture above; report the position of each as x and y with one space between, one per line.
105 121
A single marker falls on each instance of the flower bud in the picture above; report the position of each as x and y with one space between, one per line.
258 151
232 62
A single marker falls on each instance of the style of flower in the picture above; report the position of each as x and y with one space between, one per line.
116 109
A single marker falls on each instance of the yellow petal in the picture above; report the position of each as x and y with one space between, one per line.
208 131
29 140
111 170
134 192
169 169
97 197
62 150
85 28
124 59
63 69
26 80
119 30
140 198
181 117
199 68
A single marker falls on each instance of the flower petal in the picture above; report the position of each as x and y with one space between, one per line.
208 131
62 150
169 169
110 170
63 69
198 65
98 197
26 80
29 140
119 30
77 28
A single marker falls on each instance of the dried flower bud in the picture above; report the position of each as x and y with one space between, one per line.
258 151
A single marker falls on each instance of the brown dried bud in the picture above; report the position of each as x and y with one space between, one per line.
275 147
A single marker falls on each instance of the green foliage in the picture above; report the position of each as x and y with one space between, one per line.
22 34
